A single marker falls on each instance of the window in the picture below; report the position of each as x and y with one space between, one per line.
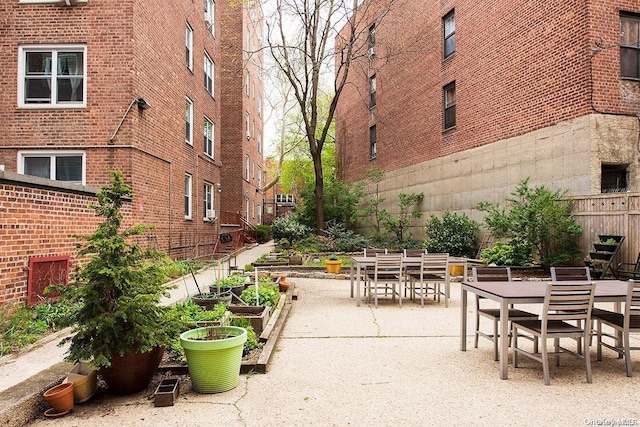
247 83
209 69
259 207
372 91
259 174
188 122
247 168
52 76
450 105
187 196
247 124
449 22
630 46
284 198
209 132
67 166
373 142
259 141
259 105
207 199
210 15
188 41
614 179
372 40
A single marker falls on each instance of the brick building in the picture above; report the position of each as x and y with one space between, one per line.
462 99
242 111
135 85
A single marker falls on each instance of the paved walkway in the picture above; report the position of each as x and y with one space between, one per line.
337 364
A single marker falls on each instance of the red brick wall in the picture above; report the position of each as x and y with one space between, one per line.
135 48
518 66
39 221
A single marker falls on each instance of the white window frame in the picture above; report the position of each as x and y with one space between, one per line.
209 74
188 196
210 16
54 49
188 121
247 168
259 142
53 154
207 198
259 174
209 132
247 83
188 43
259 207
247 124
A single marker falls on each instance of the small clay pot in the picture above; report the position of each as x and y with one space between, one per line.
60 397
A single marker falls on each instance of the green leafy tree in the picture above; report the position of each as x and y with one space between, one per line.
538 221
372 204
398 225
454 233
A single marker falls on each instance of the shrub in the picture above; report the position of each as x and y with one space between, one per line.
344 240
505 254
454 233
287 227
264 233
538 219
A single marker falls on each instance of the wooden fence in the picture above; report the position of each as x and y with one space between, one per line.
613 214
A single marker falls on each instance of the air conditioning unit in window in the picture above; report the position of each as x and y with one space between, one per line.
372 51
211 215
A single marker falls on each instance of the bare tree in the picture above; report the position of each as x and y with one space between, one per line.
314 43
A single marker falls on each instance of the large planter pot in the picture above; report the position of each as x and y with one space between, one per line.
60 398
132 372
85 381
333 266
456 270
214 356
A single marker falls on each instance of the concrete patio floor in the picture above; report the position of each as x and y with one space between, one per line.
337 364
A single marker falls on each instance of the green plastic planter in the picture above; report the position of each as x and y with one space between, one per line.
214 365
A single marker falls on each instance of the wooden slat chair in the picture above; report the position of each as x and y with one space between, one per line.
386 275
369 252
563 302
433 273
494 274
625 323
563 274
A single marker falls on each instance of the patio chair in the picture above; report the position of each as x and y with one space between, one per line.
494 274
563 302
414 252
386 274
563 274
369 252
433 273
628 270
624 323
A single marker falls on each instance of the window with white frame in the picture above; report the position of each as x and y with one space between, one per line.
630 46
53 76
247 167
209 69
188 186
259 175
210 15
188 42
259 105
207 199
188 121
259 207
247 124
67 166
209 132
259 141
373 142
247 83
449 92
284 198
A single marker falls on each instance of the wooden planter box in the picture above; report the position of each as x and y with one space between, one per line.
167 392
601 247
600 255
257 315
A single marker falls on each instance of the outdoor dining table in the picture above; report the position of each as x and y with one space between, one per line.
529 292
360 262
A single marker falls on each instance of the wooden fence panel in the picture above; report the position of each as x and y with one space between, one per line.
614 214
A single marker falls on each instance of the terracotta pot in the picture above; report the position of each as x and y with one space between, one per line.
132 372
60 397
284 285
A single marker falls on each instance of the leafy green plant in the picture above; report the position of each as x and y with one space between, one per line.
248 267
454 233
252 338
119 288
538 220
287 227
344 240
506 254
267 295
398 225
611 242
264 233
